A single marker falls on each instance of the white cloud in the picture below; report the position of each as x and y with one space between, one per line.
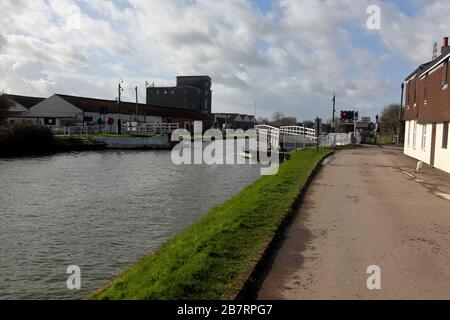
289 59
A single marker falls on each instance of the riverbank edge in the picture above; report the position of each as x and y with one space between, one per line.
243 285
255 277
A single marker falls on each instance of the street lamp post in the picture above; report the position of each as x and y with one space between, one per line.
333 125
400 116
119 121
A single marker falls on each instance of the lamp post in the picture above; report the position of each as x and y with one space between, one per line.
119 121
333 125
400 116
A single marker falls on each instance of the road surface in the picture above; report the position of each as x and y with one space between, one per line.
366 207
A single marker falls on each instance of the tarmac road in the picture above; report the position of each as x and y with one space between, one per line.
367 207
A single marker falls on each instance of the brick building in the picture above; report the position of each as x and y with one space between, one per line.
427 113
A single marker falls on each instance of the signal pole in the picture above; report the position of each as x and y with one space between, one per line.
334 110
119 121
137 114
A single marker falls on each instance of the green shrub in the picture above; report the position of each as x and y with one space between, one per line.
25 138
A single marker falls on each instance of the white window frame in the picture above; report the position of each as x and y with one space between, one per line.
424 137
414 134
409 134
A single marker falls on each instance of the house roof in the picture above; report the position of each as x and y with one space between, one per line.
430 64
25 101
96 105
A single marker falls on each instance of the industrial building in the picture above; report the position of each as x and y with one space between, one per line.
191 92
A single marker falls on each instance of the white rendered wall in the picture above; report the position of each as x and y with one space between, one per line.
415 150
442 156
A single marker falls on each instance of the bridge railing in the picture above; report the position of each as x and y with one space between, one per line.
268 136
298 131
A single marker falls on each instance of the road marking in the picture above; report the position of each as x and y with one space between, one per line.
443 195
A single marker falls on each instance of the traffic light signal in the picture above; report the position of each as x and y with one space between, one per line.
349 115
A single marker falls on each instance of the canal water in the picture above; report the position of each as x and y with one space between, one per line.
100 211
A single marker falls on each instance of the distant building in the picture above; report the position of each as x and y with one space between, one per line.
364 125
66 111
427 113
20 104
234 121
191 92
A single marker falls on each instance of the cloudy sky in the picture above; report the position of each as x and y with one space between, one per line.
283 55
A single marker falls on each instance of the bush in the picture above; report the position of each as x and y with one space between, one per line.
25 138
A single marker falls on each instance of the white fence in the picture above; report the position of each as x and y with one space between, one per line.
337 139
127 127
269 136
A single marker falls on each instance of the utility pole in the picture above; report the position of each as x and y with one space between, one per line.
400 117
333 125
137 105
119 121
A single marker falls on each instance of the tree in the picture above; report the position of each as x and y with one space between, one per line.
262 120
309 124
389 121
288 121
276 119
4 106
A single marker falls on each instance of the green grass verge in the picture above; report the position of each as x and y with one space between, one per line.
66 141
387 140
212 258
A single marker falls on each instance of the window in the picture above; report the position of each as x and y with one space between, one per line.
414 134
415 91
407 93
424 137
409 133
445 75
445 135
425 88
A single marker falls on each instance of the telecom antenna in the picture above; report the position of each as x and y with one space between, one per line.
435 50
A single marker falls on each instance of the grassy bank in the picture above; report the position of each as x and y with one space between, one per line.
212 258
75 143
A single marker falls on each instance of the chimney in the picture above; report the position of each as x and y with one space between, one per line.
444 44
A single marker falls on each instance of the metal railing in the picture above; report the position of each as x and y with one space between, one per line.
105 129
298 131
336 139
154 127
268 136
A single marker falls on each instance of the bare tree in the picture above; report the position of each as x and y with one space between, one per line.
262 120
276 118
389 120
288 121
